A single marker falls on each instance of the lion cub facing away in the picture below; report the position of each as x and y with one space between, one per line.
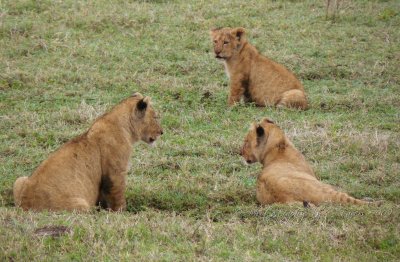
254 76
92 167
286 176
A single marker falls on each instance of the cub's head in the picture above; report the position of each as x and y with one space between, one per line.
261 138
145 121
227 41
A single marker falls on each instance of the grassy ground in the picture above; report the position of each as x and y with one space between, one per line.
65 62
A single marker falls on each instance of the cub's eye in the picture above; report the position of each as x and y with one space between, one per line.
226 42
215 41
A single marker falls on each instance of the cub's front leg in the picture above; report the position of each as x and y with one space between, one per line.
112 191
238 86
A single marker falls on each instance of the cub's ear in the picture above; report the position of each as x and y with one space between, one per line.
137 95
267 120
214 31
238 33
142 105
260 131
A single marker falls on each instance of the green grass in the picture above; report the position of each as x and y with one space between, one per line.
63 63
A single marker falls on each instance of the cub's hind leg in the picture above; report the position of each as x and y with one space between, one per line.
76 204
294 98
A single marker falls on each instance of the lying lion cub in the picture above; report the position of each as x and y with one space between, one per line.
254 76
92 167
286 176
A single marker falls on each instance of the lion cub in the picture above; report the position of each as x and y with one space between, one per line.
286 176
92 167
254 76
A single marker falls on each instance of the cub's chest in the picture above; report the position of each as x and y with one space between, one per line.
226 69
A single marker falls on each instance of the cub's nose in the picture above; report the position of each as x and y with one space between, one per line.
161 132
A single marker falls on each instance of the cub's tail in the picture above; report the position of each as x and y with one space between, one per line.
317 192
340 197
19 186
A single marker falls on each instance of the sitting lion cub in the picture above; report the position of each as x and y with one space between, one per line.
286 176
254 76
92 167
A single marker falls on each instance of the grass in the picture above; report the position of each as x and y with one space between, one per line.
63 63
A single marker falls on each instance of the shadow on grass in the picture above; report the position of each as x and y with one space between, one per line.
194 204
6 198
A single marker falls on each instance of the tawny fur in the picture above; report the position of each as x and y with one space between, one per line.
92 167
286 176
253 76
